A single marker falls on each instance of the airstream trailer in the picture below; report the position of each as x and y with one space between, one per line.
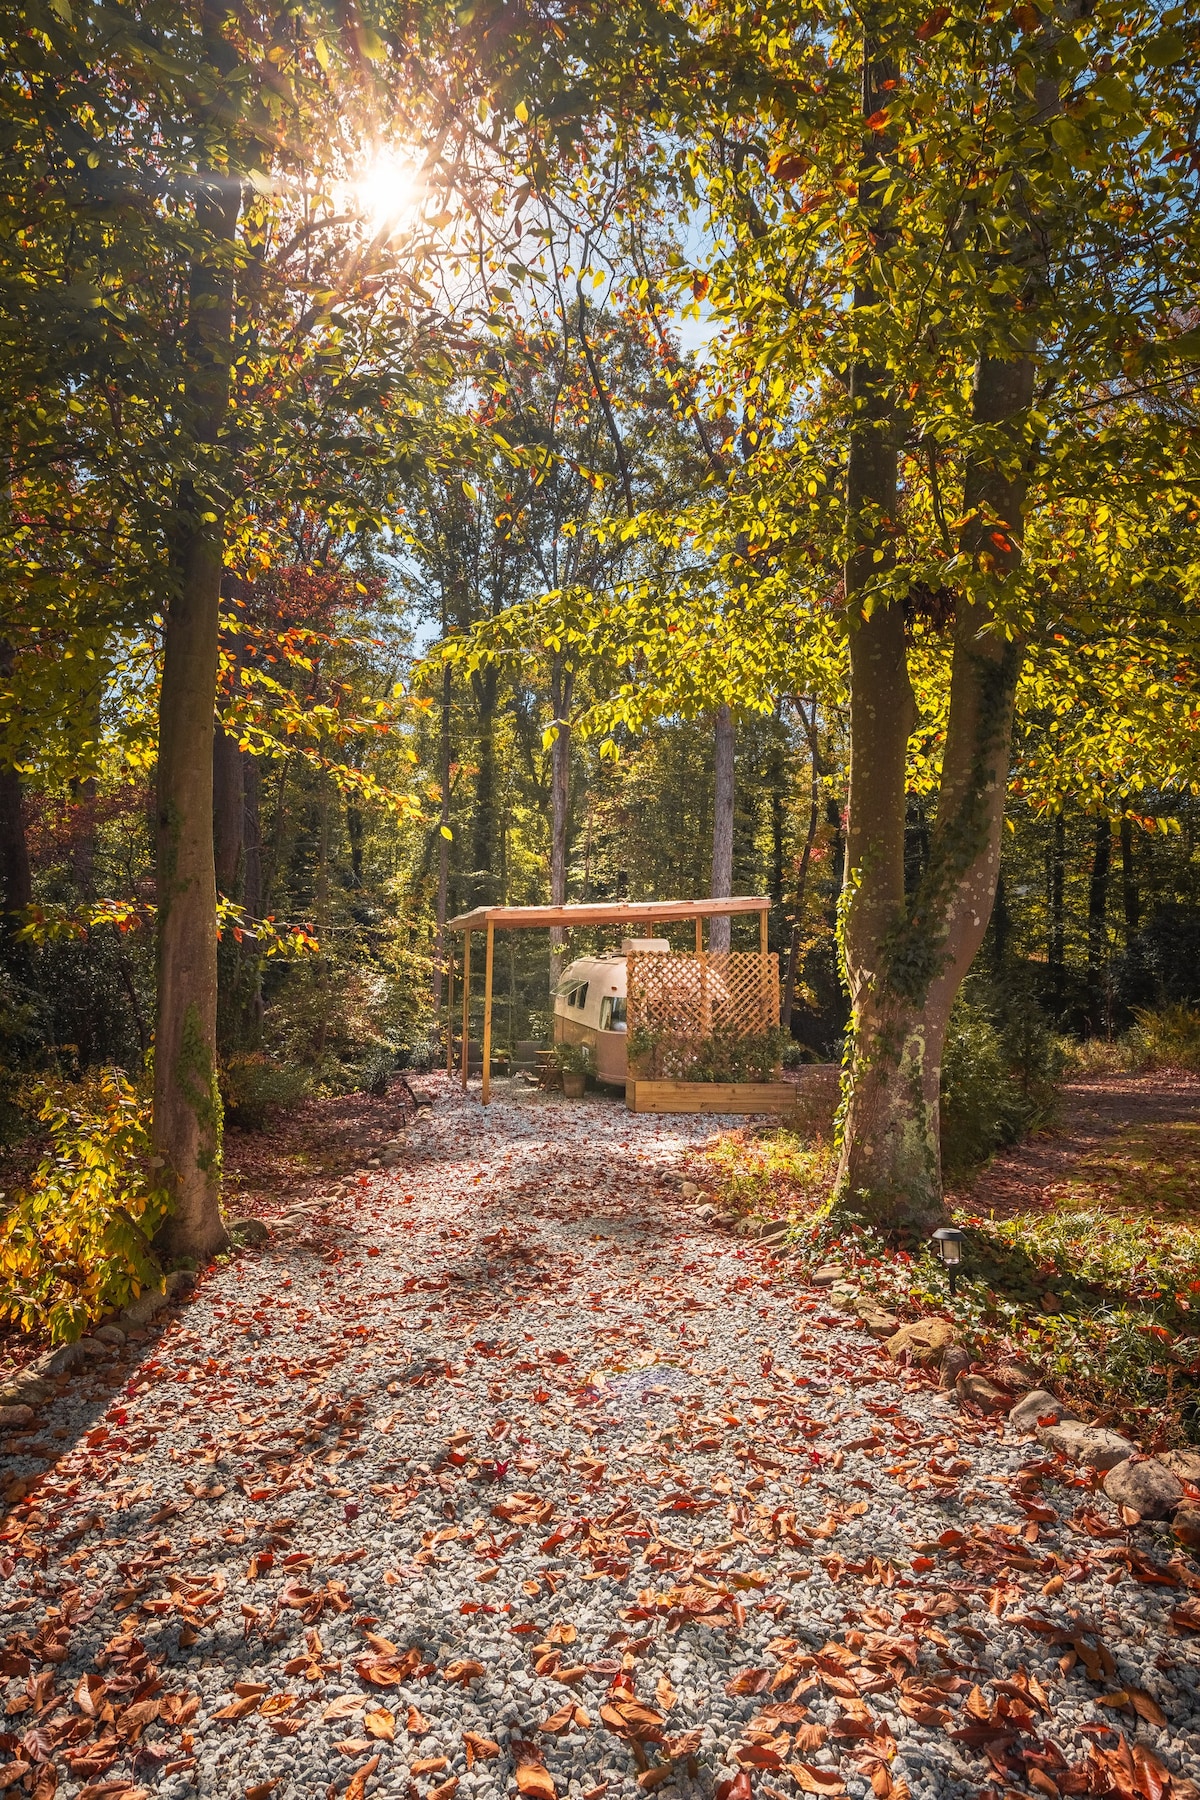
589 1006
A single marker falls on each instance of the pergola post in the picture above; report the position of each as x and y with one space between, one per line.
449 1008
762 933
466 1029
699 936
487 1013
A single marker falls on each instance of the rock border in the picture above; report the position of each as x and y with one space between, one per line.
1150 1488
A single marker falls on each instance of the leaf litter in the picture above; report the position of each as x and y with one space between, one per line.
562 1493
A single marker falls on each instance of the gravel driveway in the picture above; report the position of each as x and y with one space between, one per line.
503 1471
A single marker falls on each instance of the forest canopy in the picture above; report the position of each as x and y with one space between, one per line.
518 452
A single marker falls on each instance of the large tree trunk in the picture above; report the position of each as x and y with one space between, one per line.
229 813
721 886
1131 899
443 884
187 1104
906 961
562 682
1056 936
810 837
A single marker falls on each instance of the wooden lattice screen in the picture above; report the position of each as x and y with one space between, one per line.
676 1004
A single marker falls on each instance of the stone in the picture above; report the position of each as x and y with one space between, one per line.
62 1360
747 1228
179 1282
843 1294
12 1418
879 1324
1014 1372
774 1228
92 1347
110 1334
955 1362
1186 1526
1036 1407
1184 1464
924 1342
1147 1487
250 1231
688 1189
139 1312
825 1276
26 1390
1091 1445
977 1390
707 1214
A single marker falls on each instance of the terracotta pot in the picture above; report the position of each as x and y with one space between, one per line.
573 1085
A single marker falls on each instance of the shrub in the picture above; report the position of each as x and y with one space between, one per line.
1000 1069
76 1241
1169 1038
659 1056
254 1089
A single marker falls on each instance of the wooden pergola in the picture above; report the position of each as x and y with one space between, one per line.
490 919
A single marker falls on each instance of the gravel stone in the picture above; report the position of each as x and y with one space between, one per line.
555 1398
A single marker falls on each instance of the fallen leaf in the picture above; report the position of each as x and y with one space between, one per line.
479 1749
664 1693
378 1722
344 1707
812 1780
357 1785
261 1789
430 1765
463 1671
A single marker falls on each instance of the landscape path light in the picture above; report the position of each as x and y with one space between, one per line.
948 1243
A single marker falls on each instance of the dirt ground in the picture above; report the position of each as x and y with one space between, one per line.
1096 1111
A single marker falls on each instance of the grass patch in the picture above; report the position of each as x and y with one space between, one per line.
1101 1289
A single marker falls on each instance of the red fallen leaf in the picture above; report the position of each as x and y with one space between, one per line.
684 1743
738 1787
479 1749
750 1681
357 1786
757 1756
532 1775
811 1780
922 1563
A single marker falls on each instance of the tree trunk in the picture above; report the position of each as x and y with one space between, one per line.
562 682
721 886
1098 925
229 813
14 850
443 883
814 810
1131 898
187 1104
1056 942
483 833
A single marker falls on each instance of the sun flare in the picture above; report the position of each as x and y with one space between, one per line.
387 191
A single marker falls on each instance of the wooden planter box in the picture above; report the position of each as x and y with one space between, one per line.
709 1096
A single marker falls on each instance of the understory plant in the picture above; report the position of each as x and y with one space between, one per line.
75 1242
1100 1293
723 1056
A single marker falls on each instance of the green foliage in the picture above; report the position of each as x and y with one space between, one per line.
999 1069
255 1089
1102 1290
76 1240
1167 1039
724 1056
571 1059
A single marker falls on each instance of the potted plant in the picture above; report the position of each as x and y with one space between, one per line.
574 1064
